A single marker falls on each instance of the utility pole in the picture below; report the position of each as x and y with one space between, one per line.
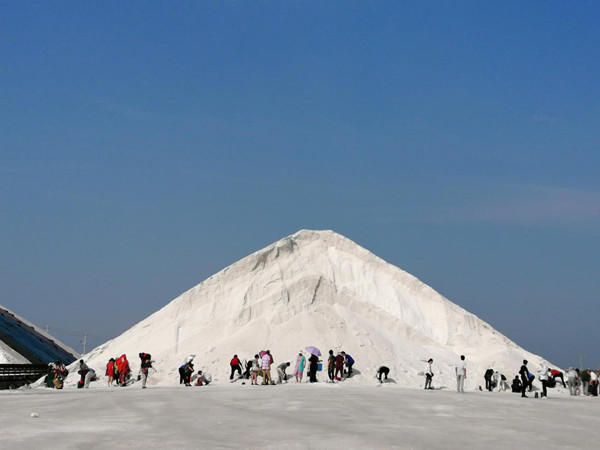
84 342
47 328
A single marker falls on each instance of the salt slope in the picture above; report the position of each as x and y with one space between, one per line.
9 356
317 288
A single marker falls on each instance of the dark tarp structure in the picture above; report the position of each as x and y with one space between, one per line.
25 340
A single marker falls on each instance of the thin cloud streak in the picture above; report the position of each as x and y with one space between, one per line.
519 205
544 118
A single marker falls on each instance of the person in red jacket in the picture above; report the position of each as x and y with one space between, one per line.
110 371
235 366
558 374
339 367
124 370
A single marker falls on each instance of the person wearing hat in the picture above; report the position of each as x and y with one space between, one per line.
188 370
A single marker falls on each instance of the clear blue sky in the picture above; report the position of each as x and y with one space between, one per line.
146 145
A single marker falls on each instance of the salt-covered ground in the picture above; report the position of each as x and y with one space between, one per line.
293 416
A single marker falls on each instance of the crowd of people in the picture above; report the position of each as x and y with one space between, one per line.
57 373
579 383
339 367
118 370
188 377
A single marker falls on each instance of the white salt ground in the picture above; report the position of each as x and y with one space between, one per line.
292 416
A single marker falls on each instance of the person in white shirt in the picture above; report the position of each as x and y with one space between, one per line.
88 377
461 374
281 372
572 379
594 383
428 374
499 381
543 377
255 368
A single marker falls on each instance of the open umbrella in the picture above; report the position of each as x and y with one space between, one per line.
313 351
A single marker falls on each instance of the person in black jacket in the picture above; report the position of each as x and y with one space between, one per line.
312 370
187 373
383 371
248 371
145 366
488 378
516 386
524 372
331 366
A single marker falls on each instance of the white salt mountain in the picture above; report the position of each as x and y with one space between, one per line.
317 288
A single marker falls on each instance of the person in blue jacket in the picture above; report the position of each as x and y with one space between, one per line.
349 363
531 378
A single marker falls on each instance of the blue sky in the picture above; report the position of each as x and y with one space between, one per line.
145 146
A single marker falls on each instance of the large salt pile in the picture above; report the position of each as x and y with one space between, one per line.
317 288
